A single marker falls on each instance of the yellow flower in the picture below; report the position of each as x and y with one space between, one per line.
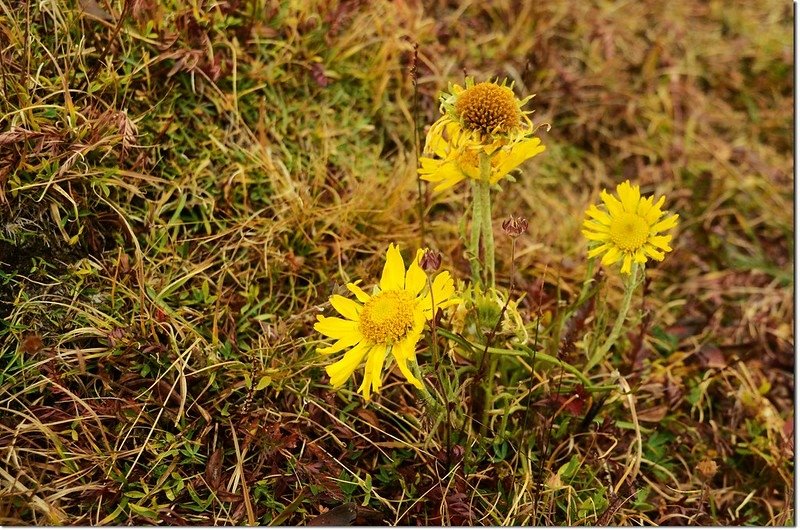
481 118
485 111
453 162
391 320
629 228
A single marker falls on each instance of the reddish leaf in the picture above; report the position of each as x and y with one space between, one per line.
32 344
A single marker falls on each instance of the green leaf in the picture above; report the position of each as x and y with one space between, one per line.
263 383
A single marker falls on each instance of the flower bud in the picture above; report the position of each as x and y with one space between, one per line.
515 226
430 261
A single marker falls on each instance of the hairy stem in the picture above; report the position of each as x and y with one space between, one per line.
602 351
475 237
486 218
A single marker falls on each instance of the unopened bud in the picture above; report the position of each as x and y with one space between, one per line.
430 261
515 226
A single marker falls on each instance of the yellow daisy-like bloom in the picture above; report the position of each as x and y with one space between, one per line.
484 117
629 228
390 320
485 111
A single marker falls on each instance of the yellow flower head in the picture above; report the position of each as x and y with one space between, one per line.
390 320
629 228
486 111
484 118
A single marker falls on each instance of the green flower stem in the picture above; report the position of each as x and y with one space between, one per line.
526 352
488 393
486 216
602 351
430 400
434 409
474 243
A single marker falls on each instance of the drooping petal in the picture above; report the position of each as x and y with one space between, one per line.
404 352
612 256
394 271
443 288
651 251
442 291
519 153
372 370
341 370
627 261
337 328
375 360
447 184
444 172
341 344
346 307
594 252
435 143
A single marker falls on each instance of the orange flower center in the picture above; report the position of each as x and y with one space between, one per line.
488 108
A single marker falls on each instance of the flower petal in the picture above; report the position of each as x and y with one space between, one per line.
341 370
661 242
336 327
595 226
612 256
519 153
449 182
629 196
403 352
360 294
341 344
415 276
394 271
665 224
442 290
599 215
626 264
594 252
596 236
651 251
446 171
613 205
346 307
374 370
